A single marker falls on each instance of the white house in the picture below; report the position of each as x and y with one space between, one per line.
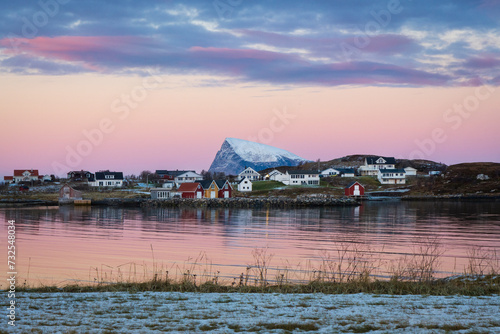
168 185
373 164
276 175
410 171
250 174
245 185
330 172
347 172
23 175
302 177
392 176
189 176
106 179
342 172
160 193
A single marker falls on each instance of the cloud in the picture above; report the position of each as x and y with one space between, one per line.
293 42
483 62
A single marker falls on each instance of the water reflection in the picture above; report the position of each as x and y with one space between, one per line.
59 238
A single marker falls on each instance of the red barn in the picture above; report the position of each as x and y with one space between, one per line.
355 189
225 189
191 190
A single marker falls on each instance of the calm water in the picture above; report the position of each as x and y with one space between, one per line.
62 245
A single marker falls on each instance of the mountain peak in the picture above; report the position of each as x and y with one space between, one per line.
236 154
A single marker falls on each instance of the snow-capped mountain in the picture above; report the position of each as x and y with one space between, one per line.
236 154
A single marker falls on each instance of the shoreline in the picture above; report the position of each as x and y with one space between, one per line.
249 203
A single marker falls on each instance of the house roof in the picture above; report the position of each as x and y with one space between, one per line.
303 172
19 172
390 170
102 175
222 183
353 183
172 172
249 168
205 184
345 170
188 187
373 161
188 172
245 178
8 178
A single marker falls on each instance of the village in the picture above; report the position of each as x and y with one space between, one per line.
169 184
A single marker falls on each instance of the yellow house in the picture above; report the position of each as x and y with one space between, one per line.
210 188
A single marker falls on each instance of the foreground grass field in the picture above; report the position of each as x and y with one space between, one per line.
156 312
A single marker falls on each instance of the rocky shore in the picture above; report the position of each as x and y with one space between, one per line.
26 202
250 203
454 197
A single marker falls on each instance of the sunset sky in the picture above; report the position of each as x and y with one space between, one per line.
145 85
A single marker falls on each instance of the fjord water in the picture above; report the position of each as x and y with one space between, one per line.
64 245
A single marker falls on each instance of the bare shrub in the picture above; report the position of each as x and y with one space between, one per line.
482 261
421 264
261 264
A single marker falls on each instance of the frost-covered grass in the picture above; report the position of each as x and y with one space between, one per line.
155 312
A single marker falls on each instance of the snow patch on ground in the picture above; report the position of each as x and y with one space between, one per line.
156 312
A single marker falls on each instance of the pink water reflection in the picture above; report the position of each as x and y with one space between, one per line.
68 245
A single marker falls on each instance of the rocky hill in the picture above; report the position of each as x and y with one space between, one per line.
237 154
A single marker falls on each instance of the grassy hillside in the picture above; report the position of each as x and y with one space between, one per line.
462 179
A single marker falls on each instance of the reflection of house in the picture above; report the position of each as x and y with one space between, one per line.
190 190
81 175
373 164
160 193
392 176
23 175
302 177
245 185
249 173
67 193
355 189
107 179
410 171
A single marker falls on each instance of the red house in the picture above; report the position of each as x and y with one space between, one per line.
225 189
355 189
191 190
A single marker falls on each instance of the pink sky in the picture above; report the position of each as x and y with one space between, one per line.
180 122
